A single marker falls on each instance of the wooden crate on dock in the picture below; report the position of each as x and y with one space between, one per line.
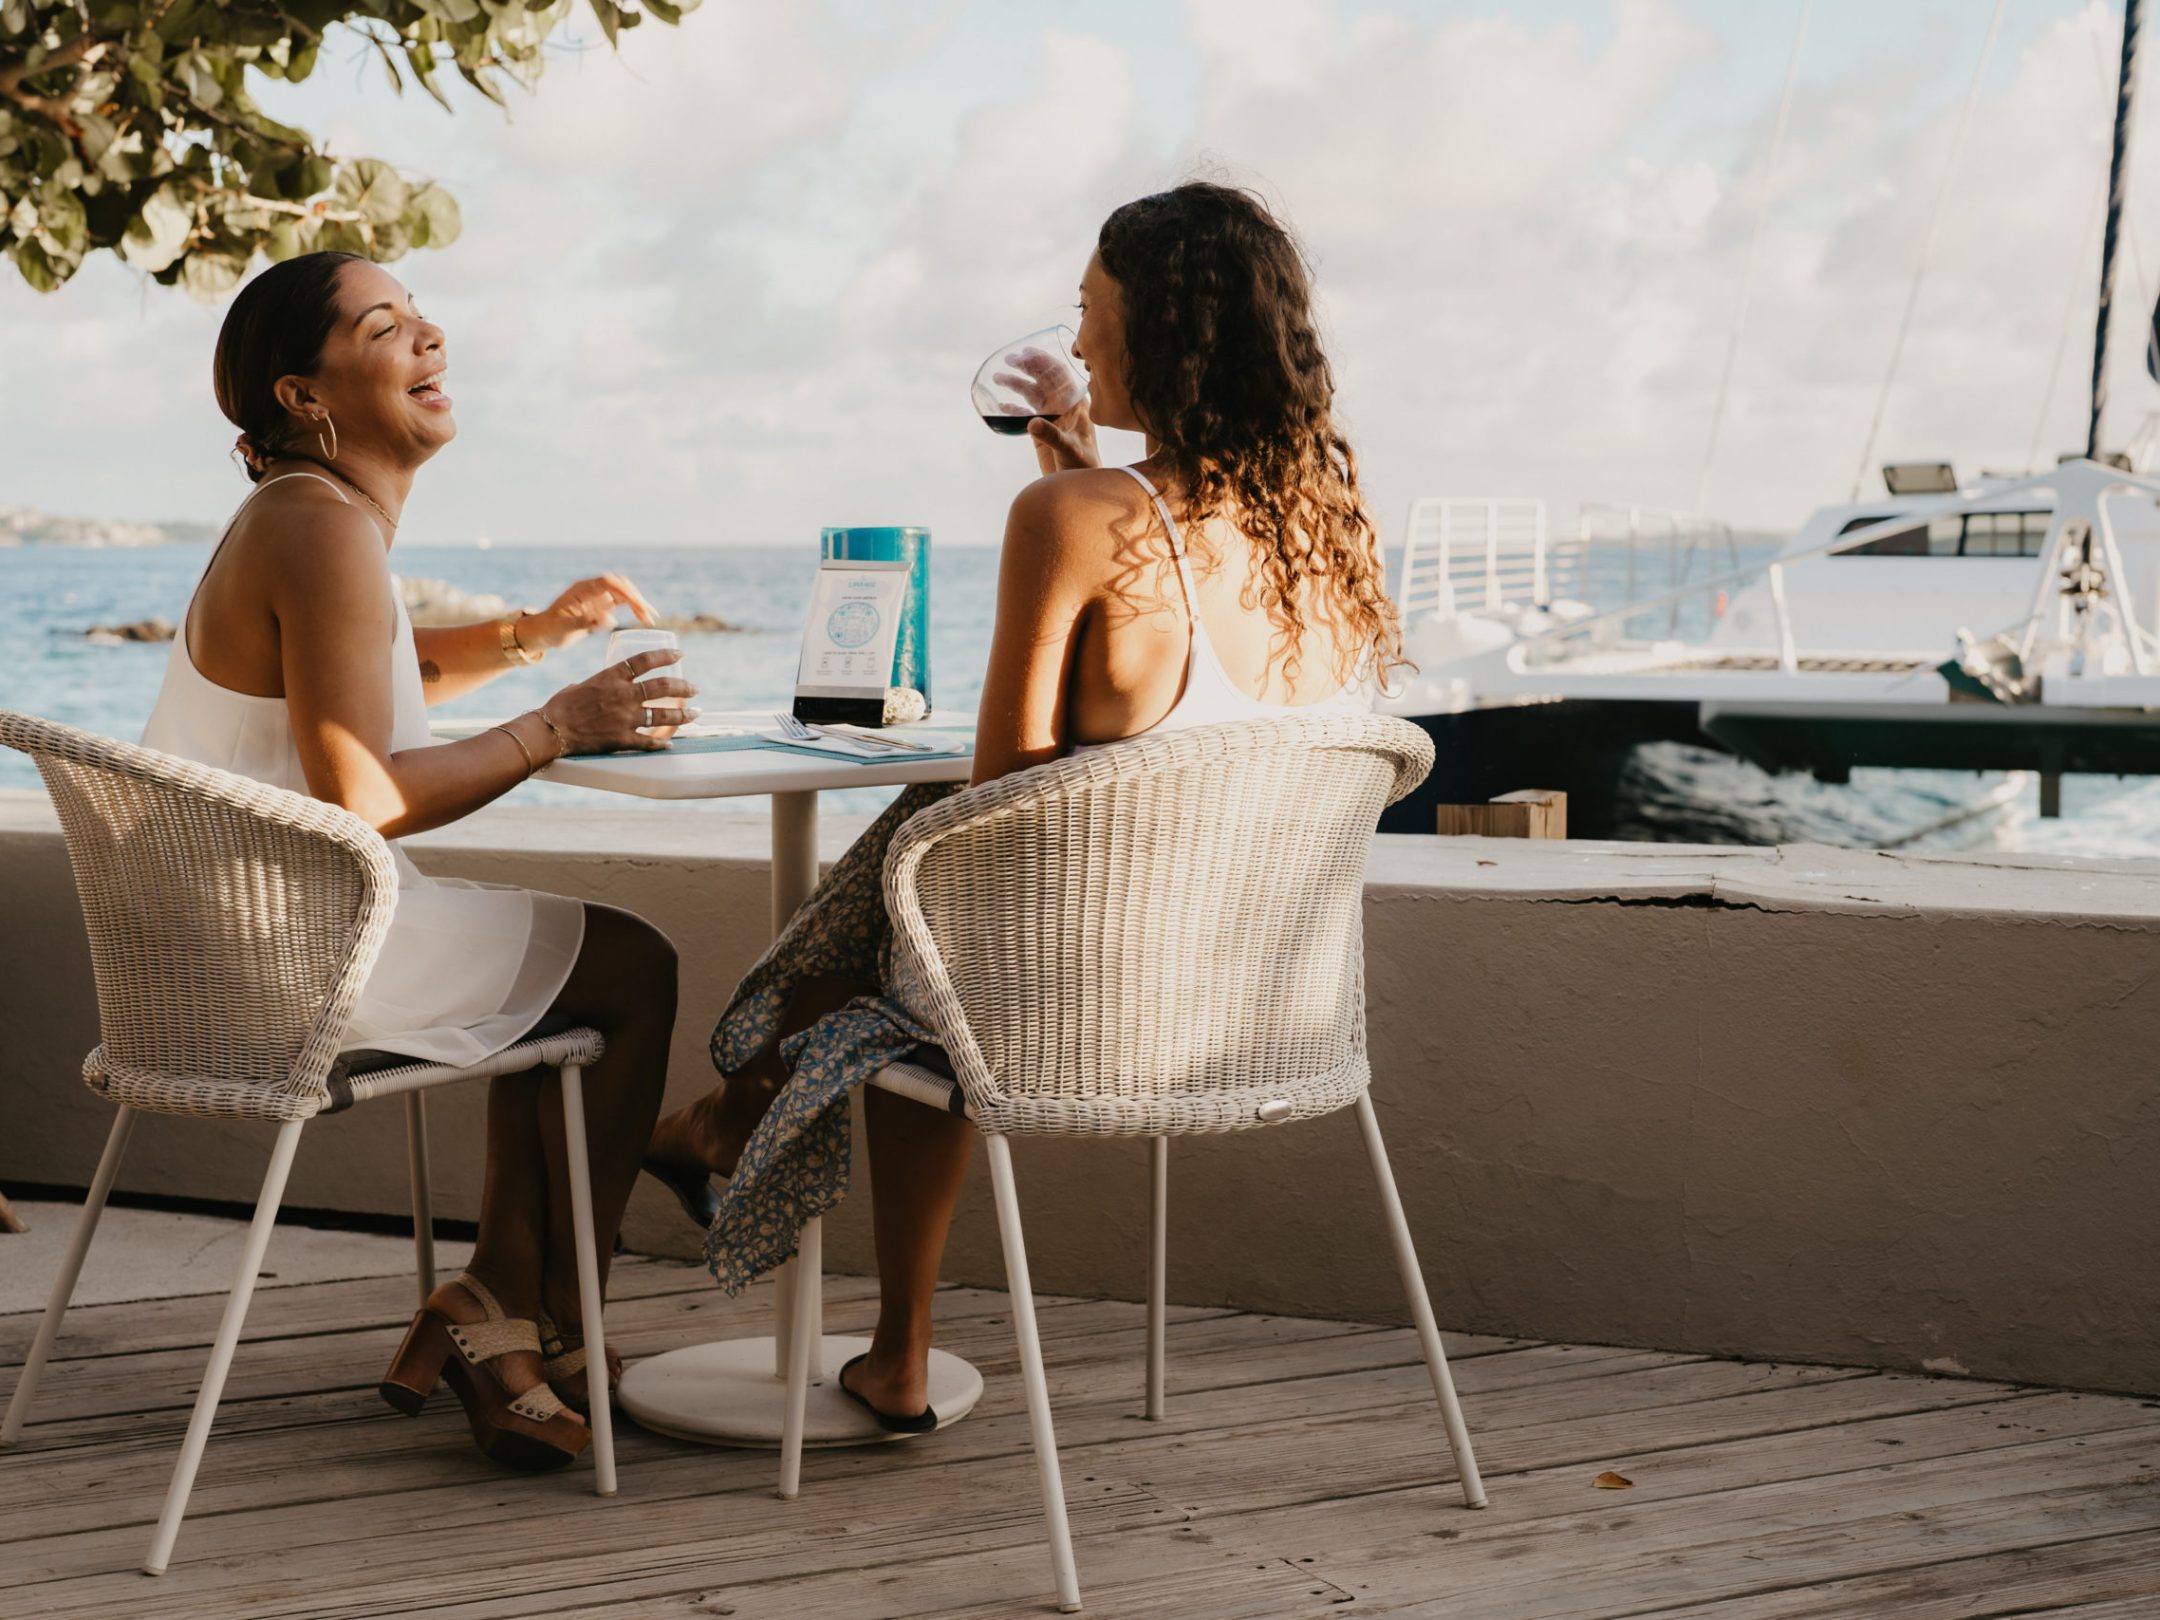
1530 813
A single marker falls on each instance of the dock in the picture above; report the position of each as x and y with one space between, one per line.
1300 1471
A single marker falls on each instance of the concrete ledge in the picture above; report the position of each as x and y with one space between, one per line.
1804 1104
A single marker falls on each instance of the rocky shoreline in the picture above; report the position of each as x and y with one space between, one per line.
431 603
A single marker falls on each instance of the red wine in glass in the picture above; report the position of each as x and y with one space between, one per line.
1014 424
1037 376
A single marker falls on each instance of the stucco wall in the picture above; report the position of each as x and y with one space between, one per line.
1803 1104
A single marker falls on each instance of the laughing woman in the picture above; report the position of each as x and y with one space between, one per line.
297 665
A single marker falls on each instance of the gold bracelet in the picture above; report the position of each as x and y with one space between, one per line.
514 650
562 743
531 765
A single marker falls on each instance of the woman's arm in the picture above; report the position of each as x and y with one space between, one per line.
1045 586
335 618
456 659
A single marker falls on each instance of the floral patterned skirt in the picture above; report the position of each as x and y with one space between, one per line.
797 1163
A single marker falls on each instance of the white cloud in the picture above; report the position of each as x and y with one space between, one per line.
733 285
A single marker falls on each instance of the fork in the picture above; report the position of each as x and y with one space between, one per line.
796 729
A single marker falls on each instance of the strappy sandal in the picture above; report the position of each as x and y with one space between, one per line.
563 1360
533 1430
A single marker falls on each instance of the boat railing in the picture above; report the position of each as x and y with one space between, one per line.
1478 555
1664 547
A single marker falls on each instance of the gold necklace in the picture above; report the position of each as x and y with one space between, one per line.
342 478
371 500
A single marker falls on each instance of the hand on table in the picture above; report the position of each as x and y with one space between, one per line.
608 712
587 606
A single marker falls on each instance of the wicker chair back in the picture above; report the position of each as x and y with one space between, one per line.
232 925
1162 937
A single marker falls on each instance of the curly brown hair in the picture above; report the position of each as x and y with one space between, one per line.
1224 369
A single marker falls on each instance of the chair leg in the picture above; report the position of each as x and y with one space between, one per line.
1031 1367
221 1351
805 1277
1413 1280
588 1272
423 1204
116 1141
1158 1280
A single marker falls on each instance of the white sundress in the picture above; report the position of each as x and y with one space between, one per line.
467 968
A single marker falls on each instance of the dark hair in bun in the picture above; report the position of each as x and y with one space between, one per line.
276 327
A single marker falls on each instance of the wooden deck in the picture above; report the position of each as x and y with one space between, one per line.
1301 1471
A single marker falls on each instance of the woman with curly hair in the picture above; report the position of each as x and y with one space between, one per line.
1232 574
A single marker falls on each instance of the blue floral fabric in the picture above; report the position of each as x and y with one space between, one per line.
797 1163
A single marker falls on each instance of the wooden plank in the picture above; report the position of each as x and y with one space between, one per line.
1615 1557
2108 1578
1300 1471
378 1452
419 1532
302 1308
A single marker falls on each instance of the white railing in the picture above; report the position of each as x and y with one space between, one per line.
1479 556
1663 545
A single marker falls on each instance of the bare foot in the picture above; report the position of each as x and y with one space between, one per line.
711 1133
898 1386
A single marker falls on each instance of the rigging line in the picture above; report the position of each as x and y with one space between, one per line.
2118 182
2071 304
2129 221
1927 248
1747 276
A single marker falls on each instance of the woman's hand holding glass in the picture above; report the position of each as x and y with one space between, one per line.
587 606
1037 385
616 708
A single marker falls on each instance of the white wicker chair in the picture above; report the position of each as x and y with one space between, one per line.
1160 939
232 926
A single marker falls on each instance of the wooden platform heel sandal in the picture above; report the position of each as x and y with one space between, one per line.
563 1360
531 1430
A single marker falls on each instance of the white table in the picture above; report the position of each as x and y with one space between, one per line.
733 1392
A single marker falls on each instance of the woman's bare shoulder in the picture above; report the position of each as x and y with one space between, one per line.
1080 521
302 537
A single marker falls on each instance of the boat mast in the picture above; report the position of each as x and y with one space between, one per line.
2118 175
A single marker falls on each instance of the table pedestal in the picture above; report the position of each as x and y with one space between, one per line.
725 1394
734 1392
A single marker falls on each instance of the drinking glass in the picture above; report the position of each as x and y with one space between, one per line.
1037 375
629 642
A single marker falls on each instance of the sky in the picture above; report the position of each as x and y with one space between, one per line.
730 284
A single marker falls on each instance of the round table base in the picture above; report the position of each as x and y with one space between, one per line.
725 1394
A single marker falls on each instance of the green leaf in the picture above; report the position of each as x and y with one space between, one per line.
210 275
372 189
160 232
283 242
37 267
432 217
199 80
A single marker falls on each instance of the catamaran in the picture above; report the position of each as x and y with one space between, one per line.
1991 622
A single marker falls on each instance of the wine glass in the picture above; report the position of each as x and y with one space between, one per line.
635 639
1037 375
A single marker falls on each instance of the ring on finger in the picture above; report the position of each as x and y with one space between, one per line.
649 721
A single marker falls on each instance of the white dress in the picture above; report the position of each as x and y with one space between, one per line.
468 968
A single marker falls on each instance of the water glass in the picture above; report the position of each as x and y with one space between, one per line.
635 639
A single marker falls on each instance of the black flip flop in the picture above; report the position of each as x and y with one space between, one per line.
693 1189
921 1423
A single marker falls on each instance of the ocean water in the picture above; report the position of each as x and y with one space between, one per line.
49 595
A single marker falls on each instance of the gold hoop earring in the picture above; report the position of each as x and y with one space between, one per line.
329 450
